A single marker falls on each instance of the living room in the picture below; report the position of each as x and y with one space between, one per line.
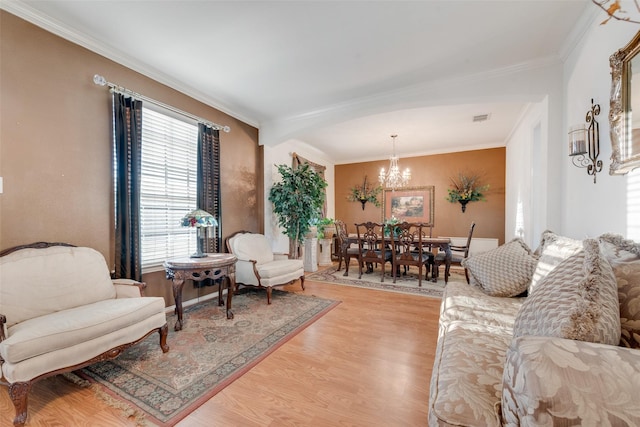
55 157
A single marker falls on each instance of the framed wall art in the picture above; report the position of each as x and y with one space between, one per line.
411 204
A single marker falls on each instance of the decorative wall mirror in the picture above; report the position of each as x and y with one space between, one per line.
625 98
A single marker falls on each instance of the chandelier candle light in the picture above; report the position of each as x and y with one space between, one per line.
199 219
394 178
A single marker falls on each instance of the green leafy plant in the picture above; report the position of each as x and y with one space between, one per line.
365 193
321 224
297 200
390 226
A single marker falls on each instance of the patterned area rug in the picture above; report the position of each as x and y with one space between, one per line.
405 283
207 355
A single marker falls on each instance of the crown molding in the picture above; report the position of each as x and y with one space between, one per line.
26 12
578 32
384 98
448 150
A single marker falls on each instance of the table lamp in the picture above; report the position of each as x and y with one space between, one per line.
198 218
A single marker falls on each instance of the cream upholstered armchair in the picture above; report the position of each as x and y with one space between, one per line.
258 266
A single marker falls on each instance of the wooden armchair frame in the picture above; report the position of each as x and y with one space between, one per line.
18 391
258 277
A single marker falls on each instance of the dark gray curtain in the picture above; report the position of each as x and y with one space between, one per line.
208 192
127 113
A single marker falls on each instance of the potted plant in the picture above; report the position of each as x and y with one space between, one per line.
326 228
297 199
466 188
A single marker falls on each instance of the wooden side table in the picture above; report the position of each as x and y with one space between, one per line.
213 266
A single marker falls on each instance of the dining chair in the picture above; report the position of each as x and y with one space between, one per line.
409 249
458 253
345 251
373 246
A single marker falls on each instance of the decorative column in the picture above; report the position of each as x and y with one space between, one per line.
311 254
325 252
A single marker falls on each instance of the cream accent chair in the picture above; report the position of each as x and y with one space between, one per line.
258 266
60 311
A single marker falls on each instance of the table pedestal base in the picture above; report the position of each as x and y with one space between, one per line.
213 266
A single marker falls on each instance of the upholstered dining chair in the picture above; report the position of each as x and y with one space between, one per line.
458 253
345 251
408 249
373 246
258 266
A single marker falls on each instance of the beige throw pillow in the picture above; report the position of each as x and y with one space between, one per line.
624 257
553 250
504 271
577 300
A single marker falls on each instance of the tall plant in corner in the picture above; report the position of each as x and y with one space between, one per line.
297 199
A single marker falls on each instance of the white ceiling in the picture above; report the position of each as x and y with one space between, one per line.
330 73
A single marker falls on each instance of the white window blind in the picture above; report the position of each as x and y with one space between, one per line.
168 187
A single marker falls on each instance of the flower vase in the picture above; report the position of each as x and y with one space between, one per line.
464 204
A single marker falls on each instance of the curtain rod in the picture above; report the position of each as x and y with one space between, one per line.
101 81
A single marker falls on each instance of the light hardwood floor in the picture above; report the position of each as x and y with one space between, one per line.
366 363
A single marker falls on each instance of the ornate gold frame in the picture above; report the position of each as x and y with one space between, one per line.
623 159
425 193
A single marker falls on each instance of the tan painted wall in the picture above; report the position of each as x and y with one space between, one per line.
435 170
55 146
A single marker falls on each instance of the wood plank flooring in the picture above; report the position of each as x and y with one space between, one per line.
366 363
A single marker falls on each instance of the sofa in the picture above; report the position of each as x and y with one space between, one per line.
60 311
544 338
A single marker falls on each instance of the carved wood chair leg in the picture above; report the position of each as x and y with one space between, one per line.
269 295
18 392
163 331
347 261
302 282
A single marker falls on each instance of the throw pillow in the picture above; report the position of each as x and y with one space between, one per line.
553 250
624 257
504 271
578 300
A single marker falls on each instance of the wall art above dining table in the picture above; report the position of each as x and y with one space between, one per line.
410 204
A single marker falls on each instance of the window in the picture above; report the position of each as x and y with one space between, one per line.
168 187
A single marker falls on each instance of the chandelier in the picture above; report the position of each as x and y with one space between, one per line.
394 178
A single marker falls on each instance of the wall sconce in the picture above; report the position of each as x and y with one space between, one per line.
584 143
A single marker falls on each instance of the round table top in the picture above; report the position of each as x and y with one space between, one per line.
211 260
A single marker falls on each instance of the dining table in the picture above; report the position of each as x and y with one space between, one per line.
442 243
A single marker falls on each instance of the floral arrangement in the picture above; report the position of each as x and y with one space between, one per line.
390 224
466 188
365 193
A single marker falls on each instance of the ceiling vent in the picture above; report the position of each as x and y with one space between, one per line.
480 118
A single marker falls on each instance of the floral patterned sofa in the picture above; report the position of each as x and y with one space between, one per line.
566 354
